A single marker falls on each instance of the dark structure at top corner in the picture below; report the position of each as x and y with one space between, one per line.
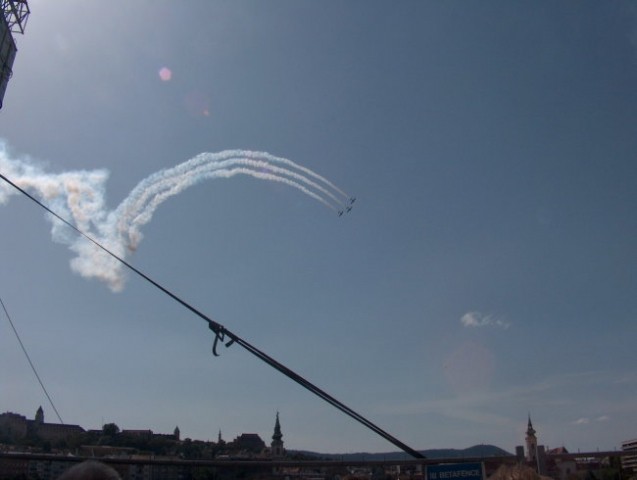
14 20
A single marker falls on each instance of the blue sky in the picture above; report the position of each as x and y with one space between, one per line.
487 270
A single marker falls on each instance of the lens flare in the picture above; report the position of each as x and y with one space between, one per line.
165 74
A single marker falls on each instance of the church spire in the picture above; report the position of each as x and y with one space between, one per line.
277 429
531 442
277 442
529 428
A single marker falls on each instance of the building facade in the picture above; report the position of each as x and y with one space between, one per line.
16 427
629 462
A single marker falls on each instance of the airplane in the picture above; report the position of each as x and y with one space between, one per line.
349 209
340 213
352 200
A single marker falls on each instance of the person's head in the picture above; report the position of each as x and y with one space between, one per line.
90 470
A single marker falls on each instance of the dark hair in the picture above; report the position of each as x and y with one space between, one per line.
90 470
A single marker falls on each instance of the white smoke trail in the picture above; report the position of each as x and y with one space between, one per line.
303 169
134 212
197 169
273 159
79 196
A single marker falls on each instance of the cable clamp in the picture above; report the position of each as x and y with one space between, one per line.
220 334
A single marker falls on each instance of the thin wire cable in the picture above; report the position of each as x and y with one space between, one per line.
220 331
26 354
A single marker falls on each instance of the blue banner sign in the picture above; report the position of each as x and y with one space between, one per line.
455 471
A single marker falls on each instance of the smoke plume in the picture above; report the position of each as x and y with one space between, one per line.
79 197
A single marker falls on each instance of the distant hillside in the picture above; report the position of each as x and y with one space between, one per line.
475 451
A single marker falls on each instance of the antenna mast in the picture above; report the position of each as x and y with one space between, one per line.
14 20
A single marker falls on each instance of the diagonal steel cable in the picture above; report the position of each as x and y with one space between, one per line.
26 354
221 332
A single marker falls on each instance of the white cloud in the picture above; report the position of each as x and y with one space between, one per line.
585 420
477 319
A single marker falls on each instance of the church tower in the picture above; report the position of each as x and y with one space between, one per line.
531 443
39 416
277 440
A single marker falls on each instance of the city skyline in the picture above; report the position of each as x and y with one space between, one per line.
277 433
486 271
